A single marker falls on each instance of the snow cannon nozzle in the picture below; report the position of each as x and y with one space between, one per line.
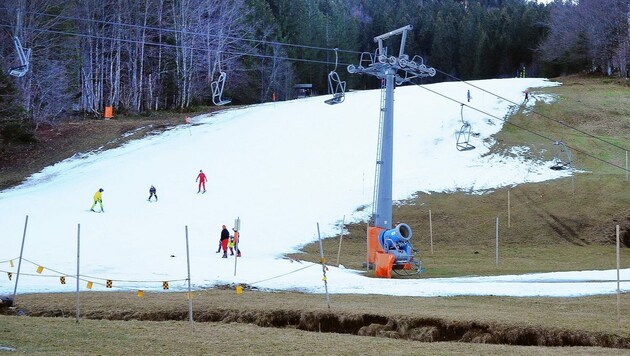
400 233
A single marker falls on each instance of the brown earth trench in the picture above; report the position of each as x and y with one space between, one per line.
395 327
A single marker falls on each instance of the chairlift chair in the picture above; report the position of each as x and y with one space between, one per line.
561 156
463 135
218 85
22 69
336 86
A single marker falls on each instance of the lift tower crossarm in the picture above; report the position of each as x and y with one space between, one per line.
387 35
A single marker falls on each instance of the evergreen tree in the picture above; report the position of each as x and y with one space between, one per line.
444 49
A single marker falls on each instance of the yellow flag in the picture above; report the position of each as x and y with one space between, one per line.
165 285
40 269
190 296
11 263
239 290
62 279
140 293
10 275
108 284
89 285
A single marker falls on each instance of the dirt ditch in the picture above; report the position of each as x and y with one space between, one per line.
418 329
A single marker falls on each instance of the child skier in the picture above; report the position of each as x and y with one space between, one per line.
98 198
238 250
152 193
231 245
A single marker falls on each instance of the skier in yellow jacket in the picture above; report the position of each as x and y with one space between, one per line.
98 199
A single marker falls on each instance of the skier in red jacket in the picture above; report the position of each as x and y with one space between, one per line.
201 178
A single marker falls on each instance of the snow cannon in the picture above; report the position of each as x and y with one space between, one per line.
390 250
396 242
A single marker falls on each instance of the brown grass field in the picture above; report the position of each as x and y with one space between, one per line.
568 224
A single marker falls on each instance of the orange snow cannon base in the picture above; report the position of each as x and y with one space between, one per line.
373 245
383 265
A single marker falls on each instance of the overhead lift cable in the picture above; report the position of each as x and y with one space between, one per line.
166 45
537 113
203 34
523 128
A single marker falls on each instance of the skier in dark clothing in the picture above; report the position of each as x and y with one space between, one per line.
225 237
152 193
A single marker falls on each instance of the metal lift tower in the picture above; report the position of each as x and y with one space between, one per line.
389 249
388 69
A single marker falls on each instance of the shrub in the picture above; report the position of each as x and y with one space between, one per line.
21 131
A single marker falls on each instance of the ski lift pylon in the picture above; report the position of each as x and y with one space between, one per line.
218 84
336 86
561 156
463 135
24 56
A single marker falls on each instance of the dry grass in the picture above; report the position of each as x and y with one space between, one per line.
550 230
232 323
593 314
56 336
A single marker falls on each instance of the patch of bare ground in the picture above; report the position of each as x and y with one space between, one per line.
544 322
54 143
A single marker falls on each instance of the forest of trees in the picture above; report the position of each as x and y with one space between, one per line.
145 55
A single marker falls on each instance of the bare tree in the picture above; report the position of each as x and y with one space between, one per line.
50 87
44 89
593 31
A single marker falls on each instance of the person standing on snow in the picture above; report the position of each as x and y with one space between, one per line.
225 237
152 193
201 178
238 250
98 198
231 245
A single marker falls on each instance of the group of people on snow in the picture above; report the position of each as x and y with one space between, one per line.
226 241
229 241
98 196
